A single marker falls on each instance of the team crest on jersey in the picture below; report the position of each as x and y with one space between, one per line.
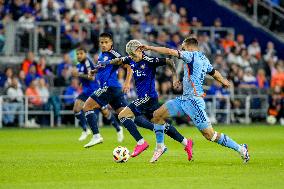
142 66
105 58
82 69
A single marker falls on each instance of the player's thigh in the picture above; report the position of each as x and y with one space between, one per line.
91 104
166 111
171 108
126 113
195 109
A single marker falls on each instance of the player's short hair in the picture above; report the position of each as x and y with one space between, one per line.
191 41
106 35
132 46
81 48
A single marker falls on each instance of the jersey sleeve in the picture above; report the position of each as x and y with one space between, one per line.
126 60
159 62
209 68
186 56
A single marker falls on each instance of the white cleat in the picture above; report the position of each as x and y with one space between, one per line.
158 153
120 135
94 141
244 153
84 135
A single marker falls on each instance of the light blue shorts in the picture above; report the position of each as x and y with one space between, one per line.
193 107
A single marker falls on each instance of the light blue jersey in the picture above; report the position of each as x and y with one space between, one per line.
196 66
191 103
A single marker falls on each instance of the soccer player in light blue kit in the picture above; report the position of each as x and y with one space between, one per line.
191 103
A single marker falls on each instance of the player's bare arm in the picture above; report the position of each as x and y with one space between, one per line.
171 64
116 61
161 50
129 73
218 77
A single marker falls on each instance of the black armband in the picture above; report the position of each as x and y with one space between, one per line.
212 72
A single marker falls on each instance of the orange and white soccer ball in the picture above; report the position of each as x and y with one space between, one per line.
121 154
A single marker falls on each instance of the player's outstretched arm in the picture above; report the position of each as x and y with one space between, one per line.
129 74
218 77
116 61
161 50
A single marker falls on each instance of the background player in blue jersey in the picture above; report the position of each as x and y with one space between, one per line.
144 71
191 103
110 91
89 85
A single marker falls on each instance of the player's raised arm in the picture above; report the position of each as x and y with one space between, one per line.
161 50
218 77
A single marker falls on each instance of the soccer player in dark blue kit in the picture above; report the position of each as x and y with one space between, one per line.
89 84
144 70
110 92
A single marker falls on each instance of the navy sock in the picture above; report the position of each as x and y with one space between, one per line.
82 119
114 122
144 123
173 133
131 127
92 119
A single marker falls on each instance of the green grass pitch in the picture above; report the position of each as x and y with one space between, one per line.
53 158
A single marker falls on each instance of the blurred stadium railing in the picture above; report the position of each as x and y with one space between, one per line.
225 109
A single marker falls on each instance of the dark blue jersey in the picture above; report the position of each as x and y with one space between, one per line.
144 73
107 76
83 68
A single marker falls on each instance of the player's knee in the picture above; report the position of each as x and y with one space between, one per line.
157 116
123 114
77 109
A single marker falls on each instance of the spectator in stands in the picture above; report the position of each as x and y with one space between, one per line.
2 38
276 104
204 44
32 75
172 17
240 43
217 23
262 81
249 80
16 9
22 79
232 57
43 90
228 42
8 76
220 64
278 77
165 81
184 26
243 59
27 20
33 95
71 92
270 52
65 64
14 103
254 50
50 10
28 61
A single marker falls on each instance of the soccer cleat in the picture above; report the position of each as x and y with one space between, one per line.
158 153
84 135
120 135
188 149
94 141
139 149
244 153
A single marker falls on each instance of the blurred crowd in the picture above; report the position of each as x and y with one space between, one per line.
246 65
266 16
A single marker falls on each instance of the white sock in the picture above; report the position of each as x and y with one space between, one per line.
184 141
141 141
160 145
97 135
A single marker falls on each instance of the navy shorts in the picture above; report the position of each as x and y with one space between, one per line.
83 97
144 106
110 95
